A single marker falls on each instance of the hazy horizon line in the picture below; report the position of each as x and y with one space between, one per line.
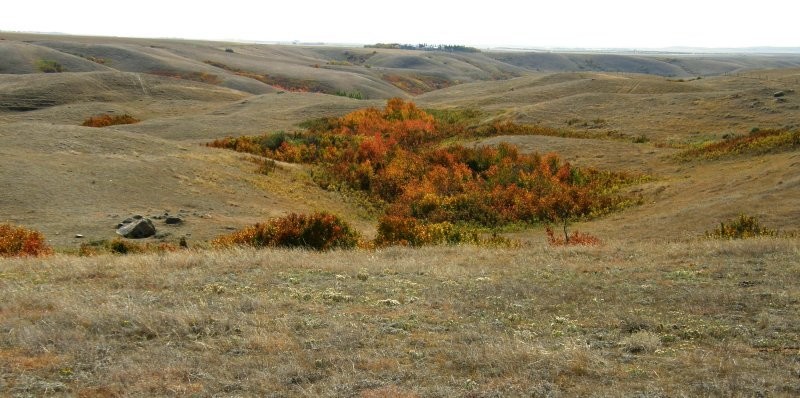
511 47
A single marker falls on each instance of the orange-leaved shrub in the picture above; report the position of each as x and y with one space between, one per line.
22 242
109 120
576 238
318 231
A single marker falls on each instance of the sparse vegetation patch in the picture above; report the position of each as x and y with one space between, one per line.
97 60
280 82
417 84
756 143
124 246
576 238
202 77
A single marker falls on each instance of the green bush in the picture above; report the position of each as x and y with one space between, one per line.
740 228
350 94
48 66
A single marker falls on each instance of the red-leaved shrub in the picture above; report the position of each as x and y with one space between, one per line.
109 120
576 238
21 242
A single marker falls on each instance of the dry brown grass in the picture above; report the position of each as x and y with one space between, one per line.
709 318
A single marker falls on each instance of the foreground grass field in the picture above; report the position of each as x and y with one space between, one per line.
706 318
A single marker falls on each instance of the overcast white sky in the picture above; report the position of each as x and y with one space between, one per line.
557 23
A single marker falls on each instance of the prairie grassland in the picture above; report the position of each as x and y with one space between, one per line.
705 318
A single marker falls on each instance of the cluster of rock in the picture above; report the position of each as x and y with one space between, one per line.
781 96
140 227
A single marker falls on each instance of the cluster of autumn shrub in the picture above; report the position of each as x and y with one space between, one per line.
435 194
18 241
109 120
755 143
318 231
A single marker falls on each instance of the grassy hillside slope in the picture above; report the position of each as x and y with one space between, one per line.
664 64
68 180
634 104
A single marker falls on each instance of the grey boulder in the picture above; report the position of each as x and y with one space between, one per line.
137 229
173 220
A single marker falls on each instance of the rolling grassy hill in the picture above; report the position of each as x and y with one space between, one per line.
187 93
655 310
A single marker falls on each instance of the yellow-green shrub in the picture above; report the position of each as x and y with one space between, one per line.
123 246
756 143
740 228
318 231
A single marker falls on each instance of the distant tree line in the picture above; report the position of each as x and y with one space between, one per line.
452 48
